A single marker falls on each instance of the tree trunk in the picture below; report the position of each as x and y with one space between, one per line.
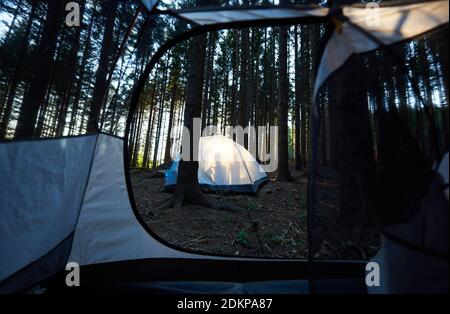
244 80
11 26
357 166
62 110
137 137
323 136
298 160
283 173
305 86
84 60
109 10
160 113
208 78
188 189
40 73
234 87
14 82
147 145
167 157
333 136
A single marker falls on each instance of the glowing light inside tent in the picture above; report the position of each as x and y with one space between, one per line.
223 163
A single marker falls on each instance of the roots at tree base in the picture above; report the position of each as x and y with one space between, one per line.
191 194
284 177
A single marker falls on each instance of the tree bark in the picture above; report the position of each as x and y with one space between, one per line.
283 173
109 11
244 78
14 82
40 73
160 113
208 79
357 166
188 189
62 110
11 27
147 144
81 74
305 86
298 77
333 136
167 157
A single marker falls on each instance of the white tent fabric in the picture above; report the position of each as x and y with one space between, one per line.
407 271
395 23
107 229
242 15
223 165
55 188
37 215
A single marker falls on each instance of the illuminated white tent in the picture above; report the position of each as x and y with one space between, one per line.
224 165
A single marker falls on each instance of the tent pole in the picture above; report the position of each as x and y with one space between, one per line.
311 194
243 161
315 128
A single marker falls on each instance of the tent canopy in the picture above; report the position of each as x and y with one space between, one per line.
63 200
243 14
224 165
395 23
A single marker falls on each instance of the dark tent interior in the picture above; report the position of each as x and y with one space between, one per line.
224 146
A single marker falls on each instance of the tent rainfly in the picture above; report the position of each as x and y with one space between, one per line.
224 165
68 199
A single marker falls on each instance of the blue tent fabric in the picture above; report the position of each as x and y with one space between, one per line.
171 181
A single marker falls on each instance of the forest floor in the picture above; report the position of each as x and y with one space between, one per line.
273 222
